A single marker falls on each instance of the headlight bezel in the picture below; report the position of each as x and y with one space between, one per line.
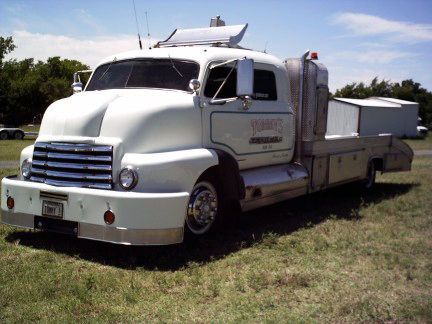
132 171
26 165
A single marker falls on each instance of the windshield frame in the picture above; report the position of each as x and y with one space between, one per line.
114 61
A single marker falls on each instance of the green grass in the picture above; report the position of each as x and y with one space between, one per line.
27 128
335 256
10 150
420 143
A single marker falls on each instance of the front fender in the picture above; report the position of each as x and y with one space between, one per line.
175 171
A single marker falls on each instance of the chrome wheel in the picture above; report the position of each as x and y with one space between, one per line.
202 208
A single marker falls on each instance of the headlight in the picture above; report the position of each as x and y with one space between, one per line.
26 168
128 178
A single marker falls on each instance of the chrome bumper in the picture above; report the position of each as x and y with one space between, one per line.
115 235
141 218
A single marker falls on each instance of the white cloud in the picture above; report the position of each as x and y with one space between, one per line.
89 51
372 56
364 25
84 17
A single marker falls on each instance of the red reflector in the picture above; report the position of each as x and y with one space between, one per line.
109 217
314 56
10 202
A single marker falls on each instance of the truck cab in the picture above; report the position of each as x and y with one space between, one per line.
166 140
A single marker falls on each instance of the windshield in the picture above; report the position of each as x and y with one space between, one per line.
144 73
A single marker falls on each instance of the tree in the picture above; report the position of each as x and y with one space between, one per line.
6 46
28 88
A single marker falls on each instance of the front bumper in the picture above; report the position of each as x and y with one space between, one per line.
141 218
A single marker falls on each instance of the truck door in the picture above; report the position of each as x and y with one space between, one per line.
258 136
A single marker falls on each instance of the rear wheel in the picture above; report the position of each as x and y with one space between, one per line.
203 208
4 135
369 182
18 135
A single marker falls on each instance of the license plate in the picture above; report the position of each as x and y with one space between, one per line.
53 209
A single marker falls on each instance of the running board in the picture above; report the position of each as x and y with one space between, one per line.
268 185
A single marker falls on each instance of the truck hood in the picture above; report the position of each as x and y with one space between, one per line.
77 115
136 117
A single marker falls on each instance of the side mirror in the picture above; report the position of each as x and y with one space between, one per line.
77 84
245 77
194 85
77 87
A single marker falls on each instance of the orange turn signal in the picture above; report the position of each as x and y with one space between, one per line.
109 217
10 202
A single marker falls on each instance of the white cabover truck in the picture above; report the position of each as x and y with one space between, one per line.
161 141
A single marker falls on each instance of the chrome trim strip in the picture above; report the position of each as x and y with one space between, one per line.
72 175
67 165
53 195
17 219
72 147
269 200
105 233
67 156
128 236
64 183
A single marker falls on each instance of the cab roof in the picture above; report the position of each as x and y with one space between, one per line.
199 54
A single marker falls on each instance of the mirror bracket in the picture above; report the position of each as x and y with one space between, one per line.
246 102
77 85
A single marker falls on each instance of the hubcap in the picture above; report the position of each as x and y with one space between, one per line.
202 208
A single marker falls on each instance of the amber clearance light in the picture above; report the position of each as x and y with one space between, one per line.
109 217
10 202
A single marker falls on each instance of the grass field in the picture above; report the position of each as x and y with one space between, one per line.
27 128
339 255
420 143
10 150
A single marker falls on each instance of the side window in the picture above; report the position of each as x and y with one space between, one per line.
264 85
215 79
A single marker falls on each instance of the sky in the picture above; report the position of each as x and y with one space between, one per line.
356 40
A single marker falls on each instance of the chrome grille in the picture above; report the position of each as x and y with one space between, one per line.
73 165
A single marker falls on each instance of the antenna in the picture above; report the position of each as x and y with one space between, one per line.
148 31
265 47
136 20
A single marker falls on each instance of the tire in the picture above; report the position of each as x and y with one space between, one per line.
369 182
4 135
18 135
206 209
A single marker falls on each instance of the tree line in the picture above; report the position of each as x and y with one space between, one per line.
27 87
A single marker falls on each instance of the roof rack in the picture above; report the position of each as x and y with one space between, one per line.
220 35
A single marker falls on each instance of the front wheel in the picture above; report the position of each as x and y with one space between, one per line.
203 208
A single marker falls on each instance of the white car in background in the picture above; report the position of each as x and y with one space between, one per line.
422 131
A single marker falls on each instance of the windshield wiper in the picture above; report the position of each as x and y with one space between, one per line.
174 67
109 66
